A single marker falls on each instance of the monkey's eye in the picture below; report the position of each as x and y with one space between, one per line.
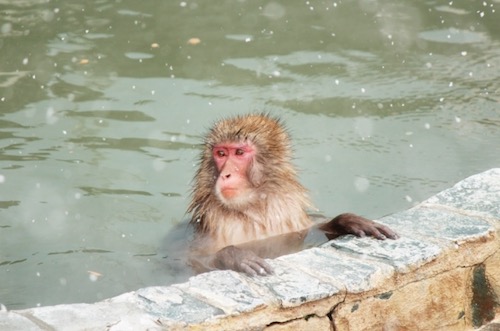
239 151
220 153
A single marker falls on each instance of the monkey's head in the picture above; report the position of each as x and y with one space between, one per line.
246 152
243 158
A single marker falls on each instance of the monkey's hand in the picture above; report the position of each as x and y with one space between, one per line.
359 226
241 260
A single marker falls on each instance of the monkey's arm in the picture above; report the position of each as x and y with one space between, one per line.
247 257
357 225
231 258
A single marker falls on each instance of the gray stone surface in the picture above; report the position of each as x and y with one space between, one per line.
234 295
479 193
431 221
15 321
353 274
467 212
404 254
172 304
292 287
102 315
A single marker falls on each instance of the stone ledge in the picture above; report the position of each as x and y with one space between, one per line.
443 274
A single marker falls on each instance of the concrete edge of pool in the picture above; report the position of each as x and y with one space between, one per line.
442 274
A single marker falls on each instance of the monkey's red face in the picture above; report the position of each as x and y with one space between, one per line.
233 162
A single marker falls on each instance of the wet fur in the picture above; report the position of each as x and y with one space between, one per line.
268 212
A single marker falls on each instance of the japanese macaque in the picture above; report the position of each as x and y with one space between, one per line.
247 204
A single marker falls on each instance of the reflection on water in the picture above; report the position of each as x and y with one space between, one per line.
103 105
453 36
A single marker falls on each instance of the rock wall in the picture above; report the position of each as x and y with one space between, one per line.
442 274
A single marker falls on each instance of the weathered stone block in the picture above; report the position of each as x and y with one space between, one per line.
437 303
354 274
479 193
15 321
171 304
293 287
226 290
115 316
404 254
424 222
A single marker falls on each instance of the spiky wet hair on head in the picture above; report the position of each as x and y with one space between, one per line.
266 133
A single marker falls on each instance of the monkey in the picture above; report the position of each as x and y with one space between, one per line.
247 203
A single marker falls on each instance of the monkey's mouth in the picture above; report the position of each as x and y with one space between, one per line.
229 192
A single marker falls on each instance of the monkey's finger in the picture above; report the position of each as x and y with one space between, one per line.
266 269
377 234
372 231
387 232
246 268
358 232
261 267
253 269
257 266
